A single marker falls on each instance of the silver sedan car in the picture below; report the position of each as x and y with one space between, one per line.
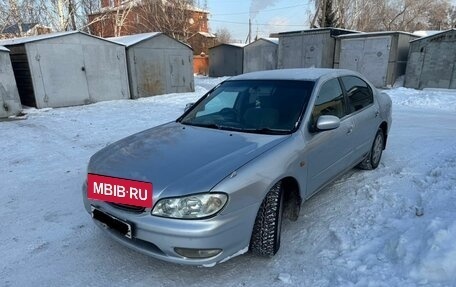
217 182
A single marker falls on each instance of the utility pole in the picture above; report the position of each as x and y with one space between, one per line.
249 36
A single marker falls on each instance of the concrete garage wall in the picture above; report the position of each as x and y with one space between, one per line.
10 104
68 69
261 55
158 64
308 48
380 56
432 62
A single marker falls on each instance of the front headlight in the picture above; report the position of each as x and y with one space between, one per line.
189 207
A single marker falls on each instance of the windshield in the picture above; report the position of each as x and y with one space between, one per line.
259 106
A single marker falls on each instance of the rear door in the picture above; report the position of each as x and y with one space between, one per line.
364 114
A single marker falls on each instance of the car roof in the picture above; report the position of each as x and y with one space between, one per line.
304 74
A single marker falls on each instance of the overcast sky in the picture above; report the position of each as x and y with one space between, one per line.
267 16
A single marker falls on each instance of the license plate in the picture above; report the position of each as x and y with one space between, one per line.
119 190
112 222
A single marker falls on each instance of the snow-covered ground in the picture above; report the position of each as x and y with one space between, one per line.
363 230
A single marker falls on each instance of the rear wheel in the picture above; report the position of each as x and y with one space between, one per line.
265 238
372 160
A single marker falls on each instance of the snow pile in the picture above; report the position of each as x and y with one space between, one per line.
429 99
438 257
362 230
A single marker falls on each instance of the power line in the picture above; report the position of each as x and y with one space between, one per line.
244 23
267 10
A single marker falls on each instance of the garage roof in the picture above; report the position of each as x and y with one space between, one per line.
24 40
430 36
134 39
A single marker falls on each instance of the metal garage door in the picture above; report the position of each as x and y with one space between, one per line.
56 63
105 68
369 56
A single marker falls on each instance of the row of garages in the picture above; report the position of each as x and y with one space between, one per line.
74 68
382 57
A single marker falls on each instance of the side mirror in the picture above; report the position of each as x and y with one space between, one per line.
188 106
326 123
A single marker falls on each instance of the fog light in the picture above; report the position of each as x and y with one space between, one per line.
197 253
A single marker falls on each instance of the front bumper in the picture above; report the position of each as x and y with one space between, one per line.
157 237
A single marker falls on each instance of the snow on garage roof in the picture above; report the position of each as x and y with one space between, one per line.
425 33
24 40
431 34
134 39
237 45
270 40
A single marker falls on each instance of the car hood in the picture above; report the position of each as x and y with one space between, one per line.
180 159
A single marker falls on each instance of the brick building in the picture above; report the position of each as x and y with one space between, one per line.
126 17
201 42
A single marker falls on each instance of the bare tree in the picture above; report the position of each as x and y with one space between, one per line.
171 17
223 35
404 15
20 12
121 17
452 17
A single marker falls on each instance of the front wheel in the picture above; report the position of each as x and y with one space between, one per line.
265 240
372 160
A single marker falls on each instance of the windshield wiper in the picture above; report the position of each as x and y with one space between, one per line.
267 131
211 125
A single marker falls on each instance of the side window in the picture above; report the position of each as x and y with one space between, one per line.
330 101
359 93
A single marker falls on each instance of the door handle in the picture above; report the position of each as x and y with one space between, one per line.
350 130
377 113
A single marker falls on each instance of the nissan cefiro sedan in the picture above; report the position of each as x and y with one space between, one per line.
218 181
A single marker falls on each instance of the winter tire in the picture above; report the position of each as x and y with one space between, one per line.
265 240
372 160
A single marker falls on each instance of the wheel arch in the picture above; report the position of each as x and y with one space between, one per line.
384 128
292 198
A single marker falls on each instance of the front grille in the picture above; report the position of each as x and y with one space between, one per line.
131 208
